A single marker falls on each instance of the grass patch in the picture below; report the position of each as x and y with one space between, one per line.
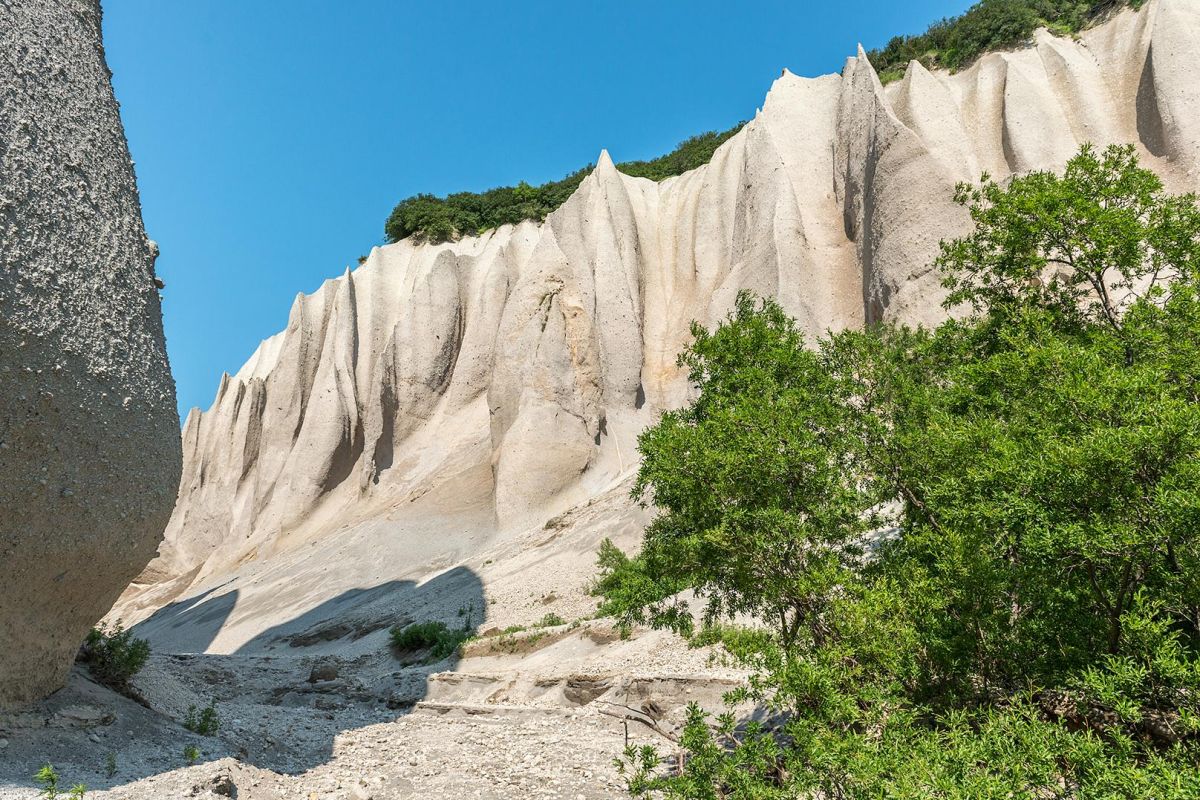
512 644
437 638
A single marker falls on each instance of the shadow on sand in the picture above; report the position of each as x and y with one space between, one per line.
282 698
189 625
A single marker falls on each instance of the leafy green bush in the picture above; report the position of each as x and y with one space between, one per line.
204 721
551 620
440 640
114 656
988 25
442 219
1031 627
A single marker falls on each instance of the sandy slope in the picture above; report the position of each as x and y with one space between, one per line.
519 714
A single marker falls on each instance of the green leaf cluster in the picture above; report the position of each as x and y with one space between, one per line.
114 655
972 552
956 42
441 219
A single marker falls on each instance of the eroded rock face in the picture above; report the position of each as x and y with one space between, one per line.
89 448
442 395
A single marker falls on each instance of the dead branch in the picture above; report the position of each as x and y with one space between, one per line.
633 715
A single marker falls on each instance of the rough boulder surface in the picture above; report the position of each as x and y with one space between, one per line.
89 454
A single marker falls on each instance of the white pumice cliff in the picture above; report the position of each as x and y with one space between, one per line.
442 396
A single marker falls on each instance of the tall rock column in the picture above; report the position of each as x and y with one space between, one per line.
89 434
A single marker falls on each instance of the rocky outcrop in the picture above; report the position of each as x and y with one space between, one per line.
89 459
444 394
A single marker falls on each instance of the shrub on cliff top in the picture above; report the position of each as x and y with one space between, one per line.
441 219
956 42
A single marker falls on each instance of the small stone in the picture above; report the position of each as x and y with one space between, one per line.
326 671
222 785
83 716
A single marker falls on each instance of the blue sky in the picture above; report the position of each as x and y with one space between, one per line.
272 139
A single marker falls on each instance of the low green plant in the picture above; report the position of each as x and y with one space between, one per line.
738 641
191 754
47 779
439 639
550 620
114 655
204 721
110 765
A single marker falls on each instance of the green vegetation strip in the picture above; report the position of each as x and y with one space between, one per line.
442 219
989 25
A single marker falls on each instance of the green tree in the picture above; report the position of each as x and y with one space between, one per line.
759 511
1029 626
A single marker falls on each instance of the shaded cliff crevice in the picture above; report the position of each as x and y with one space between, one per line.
1150 127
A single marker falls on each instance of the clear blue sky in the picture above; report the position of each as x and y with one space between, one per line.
272 138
